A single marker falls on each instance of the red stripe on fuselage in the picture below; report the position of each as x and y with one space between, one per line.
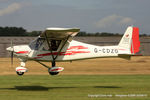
77 47
68 52
64 53
22 52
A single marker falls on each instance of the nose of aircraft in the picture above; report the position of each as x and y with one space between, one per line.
9 49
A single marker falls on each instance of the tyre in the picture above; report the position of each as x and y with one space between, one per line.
53 73
20 73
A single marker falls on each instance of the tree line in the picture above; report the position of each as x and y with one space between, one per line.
19 31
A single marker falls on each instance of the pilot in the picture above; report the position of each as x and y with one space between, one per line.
54 45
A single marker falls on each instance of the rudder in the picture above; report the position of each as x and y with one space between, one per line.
135 41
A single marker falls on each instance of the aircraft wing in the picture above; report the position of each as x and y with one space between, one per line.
64 34
60 33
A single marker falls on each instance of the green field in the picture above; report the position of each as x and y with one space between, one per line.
75 87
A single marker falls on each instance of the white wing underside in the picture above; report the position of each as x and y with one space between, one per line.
60 33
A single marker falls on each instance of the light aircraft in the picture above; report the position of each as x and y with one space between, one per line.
57 44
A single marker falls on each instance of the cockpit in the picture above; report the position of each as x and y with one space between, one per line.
41 44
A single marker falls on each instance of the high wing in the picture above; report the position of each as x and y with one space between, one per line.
52 35
59 33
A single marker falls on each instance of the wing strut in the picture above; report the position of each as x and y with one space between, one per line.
50 49
62 47
43 64
49 46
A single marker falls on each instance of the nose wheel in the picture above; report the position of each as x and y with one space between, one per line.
21 70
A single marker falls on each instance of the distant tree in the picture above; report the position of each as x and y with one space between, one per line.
82 34
144 35
12 31
19 31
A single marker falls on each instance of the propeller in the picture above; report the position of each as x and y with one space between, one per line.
12 53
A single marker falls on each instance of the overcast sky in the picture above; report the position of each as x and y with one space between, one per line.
88 15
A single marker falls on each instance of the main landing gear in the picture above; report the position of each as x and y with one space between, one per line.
52 73
55 70
50 70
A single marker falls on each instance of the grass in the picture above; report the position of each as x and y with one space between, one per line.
74 87
92 79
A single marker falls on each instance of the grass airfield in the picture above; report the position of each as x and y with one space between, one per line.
105 79
75 87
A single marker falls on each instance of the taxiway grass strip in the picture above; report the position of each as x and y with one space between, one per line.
75 87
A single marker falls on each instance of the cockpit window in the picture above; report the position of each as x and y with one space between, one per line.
36 44
54 45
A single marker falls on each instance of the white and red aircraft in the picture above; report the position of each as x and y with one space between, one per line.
56 44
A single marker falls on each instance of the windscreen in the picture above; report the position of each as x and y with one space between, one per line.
37 43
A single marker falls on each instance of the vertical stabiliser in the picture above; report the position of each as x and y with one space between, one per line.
129 44
126 40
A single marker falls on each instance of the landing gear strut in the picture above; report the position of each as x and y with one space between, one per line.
53 70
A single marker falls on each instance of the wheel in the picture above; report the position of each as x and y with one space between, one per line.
53 73
20 73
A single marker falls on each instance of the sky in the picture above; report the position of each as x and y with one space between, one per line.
88 15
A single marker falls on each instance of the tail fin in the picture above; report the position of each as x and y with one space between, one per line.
130 43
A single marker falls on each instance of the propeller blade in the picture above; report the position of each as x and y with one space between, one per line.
12 54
